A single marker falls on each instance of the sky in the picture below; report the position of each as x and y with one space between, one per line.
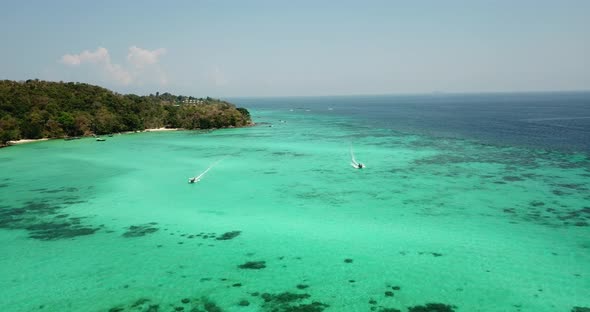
289 48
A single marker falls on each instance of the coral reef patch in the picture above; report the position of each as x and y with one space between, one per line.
141 230
229 235
432 307
253 265
202 304
291 302
44 219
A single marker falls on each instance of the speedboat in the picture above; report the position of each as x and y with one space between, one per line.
355 164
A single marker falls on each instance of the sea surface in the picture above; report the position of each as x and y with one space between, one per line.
474 202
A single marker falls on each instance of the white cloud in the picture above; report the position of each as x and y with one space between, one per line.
101 55
142 65
141 57
119 74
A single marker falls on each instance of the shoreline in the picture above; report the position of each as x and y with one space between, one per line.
145 130
162 129
25 141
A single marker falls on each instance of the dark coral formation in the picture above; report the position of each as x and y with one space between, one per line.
541 213
210 306
202 235
143 304
518 167
288 153
559 193
59 230
229 235
291 302
433 307
140 302
186 304
286 301
244 303
253 265
305 307
434 254
573 186
512 178
577 217
580 309
44 220
57 190
140 230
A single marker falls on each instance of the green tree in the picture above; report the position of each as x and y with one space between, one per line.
9 129
34 108
67 123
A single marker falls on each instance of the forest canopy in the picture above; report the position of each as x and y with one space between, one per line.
36 109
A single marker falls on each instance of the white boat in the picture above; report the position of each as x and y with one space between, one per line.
355 164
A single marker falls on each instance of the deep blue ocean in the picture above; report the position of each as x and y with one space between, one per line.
553 121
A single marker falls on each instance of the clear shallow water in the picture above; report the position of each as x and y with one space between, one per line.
92 226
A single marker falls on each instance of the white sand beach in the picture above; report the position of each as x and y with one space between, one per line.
162 129
23 141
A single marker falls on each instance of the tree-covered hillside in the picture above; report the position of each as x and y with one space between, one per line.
41 109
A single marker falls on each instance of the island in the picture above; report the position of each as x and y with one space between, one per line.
37 109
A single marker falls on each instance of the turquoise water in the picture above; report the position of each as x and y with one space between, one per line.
99 226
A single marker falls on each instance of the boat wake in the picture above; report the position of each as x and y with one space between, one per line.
355 164
200 176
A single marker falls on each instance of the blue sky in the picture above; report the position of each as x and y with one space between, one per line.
281 48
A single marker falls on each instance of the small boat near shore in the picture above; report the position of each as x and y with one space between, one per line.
100 139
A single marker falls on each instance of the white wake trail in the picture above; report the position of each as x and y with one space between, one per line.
353 162
352 156
198 178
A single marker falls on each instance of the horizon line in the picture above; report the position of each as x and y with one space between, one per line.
433 93
430 93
